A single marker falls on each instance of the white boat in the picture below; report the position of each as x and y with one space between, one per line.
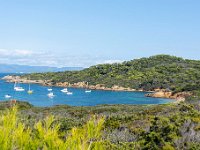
18 88
64 90
50 95
69 93
7 96
88 91
49 89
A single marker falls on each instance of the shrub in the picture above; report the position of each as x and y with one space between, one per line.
45 134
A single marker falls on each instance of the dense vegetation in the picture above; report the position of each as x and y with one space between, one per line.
115 127
161 71
45 134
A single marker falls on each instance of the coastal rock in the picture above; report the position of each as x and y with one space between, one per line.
62 84
7 78
80 84
181 95
168 94
21 80
160 94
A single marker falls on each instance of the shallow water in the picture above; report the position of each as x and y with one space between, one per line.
79 97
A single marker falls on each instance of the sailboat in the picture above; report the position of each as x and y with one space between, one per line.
18 88
29 90
87 90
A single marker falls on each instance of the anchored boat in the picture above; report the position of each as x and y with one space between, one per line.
65 90
50 95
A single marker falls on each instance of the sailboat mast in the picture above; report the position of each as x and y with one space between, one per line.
29 86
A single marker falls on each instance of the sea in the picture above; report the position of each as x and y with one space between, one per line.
78 98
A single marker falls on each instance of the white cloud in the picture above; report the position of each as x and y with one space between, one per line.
15 53
44 58
110 61
23 52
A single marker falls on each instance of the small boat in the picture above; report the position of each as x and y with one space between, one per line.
29 90
88 91
69 93
64 90
8 96
50 95
18 88
50 89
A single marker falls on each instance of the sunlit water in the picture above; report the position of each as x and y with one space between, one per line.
79 97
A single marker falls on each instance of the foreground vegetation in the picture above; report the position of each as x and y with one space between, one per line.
45 134
160 71
169 126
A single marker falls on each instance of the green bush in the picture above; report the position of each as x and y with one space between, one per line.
45 134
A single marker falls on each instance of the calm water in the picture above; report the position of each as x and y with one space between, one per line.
79 97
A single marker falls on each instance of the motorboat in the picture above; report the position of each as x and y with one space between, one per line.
7 96
69 93
88 91
50 95
49 89
65 90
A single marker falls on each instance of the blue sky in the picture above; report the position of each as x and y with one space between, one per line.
84 33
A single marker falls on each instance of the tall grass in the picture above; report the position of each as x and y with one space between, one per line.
46 135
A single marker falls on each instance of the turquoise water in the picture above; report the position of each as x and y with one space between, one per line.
79 97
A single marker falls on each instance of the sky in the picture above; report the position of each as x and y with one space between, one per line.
88 32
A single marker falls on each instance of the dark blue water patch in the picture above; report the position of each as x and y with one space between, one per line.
79 97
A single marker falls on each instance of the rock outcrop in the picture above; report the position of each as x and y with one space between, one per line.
22 80
169 94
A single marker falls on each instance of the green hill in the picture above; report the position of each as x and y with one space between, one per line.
160 71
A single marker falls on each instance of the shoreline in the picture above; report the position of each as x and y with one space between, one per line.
157 93
12 79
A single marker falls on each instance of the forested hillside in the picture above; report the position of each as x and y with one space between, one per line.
160 71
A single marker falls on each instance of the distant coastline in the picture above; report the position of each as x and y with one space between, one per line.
20 69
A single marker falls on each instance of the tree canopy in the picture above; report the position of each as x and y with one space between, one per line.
160 71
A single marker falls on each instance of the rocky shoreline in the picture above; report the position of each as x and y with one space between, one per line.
163 93
157 93
67 84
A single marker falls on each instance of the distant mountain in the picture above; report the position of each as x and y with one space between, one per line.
12 68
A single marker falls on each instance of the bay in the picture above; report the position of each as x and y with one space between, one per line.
78 98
